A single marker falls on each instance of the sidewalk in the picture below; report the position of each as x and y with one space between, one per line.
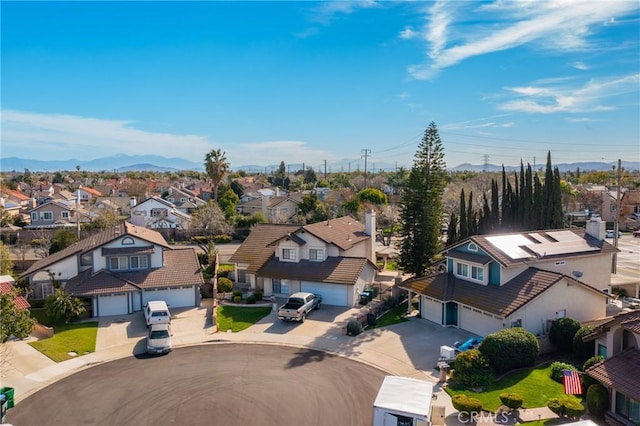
401 350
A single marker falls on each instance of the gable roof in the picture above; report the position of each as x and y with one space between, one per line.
180 268
500 300
6 286
333 270
536 245
17 195
91 191
97 240
627 320
343 232
620 372
157 199
254 251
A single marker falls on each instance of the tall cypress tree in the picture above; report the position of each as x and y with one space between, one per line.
464 224
527 199
504 211
421 205
452 230
471 216
538 203
547 194
484 221
521 198
495 208
557 221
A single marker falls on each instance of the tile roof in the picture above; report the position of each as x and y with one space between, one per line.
598 246
254 250
19 301
500 300
333 270
344 232
181 268
620 372
629 320
97 240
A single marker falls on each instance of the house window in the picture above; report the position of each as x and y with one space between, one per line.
280 286
242 276
119 263
627 408
34 216
139 262
86 259
46 215
127 241
64 214
602 350
462 269
477 273
289 254
158 212
183 200
316 255
472 247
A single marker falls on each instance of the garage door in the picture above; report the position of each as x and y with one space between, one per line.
113 305
175 297
332 294
478 322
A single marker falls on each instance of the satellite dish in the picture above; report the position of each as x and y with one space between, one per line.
577 274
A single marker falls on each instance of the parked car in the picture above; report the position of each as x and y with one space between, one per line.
159 339
610 233
156 312
636 234
298 306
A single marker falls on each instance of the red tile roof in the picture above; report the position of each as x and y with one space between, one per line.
620 372
254 251
19 301
333 270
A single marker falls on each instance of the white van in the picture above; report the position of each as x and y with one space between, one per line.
156 312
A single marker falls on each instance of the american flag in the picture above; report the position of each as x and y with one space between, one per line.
571 382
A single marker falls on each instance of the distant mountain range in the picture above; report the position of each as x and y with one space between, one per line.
157 163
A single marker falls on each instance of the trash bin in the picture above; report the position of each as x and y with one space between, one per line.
371 319
8 393
364 298
369 292
3 408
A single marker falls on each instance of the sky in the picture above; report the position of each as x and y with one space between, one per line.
313 82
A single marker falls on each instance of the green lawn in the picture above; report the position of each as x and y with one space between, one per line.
535 386
236 318
78 337
392 316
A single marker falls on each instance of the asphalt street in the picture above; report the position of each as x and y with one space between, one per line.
217 384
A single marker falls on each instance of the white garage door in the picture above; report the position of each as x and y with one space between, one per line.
112 305
477 322
175 297
332 294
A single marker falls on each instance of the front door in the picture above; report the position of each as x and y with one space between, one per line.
451 314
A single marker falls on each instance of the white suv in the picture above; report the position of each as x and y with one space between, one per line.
156 312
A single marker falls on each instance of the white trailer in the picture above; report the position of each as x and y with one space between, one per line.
403 401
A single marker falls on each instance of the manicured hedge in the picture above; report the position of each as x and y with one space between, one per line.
562 332
510 348
597 400
511 400
558 367
566 405
464 404
583 350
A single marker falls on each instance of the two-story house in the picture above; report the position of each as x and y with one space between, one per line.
335 259
618 340
184 200
157 213
57 214
87 194
526 279
119 270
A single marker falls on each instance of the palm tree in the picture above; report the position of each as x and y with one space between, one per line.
217 166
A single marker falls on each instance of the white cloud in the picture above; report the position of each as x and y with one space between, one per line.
407 34
560 25
590 97
403 96
60 136
580 66
326 12
273 152
480 123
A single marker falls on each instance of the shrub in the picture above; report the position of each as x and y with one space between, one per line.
586 380
251 300
511 400
237 299
583 350
225 285
510 348
257 295
472 368
237 293
354 327
466 405
566 405
63 306
597 400
562 332
222 238
558 367
475 379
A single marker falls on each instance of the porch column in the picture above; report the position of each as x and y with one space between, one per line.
409 304
637 296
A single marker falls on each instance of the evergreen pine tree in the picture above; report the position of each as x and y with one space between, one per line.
538 203
472 226
452 230
495 208
504 211
547 194
421 205
464 224
557 221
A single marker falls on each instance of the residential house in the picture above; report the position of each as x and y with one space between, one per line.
618 340
156 213
17 197
57 214
629 217
120 269
88 194
7 285
275 207
334 259
526 279
184 200
608 207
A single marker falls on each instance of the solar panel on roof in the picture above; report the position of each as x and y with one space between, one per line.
510 245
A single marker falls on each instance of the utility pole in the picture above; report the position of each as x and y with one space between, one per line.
365 154
616 225
485 159
325 170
